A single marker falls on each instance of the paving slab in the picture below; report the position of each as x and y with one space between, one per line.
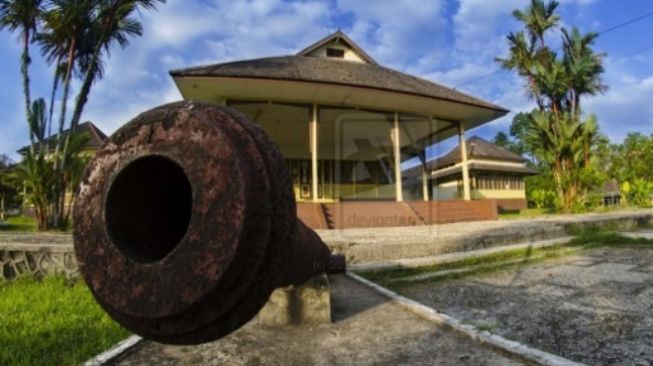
367 330
594 307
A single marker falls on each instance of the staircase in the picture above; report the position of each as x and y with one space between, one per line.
311 214
328 217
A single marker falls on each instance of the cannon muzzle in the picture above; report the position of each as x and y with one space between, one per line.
185 222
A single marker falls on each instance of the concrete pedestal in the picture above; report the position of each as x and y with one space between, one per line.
306 304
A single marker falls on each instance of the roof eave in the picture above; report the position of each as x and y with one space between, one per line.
500 111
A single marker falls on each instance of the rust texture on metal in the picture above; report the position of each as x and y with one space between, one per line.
185 223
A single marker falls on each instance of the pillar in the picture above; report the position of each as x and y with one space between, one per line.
464 165
313 135
396 148
425 183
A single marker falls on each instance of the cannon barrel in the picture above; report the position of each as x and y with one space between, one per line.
185 222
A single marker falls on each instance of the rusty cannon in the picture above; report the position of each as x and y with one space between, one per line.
185 222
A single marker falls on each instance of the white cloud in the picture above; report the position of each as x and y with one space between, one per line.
386 29
185 33
625 108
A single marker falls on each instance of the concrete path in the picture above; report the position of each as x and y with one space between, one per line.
368 330
595 307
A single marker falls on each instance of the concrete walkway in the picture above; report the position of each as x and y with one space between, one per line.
367 330
594 307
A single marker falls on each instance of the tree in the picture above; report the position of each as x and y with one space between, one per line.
539 18
502 139
114 24
75 37
556 134
8 192
22 16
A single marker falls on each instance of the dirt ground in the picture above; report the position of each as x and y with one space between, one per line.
367 330
595 307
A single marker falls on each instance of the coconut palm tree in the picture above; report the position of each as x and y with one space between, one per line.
114 24
67 24
538 18
22 16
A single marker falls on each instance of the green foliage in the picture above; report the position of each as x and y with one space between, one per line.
75 36
52 322
19 223
632 159
542 198
501 139
555 135
640 193
9 197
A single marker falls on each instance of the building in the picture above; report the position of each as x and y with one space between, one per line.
494 173
610 193
96 139
344 123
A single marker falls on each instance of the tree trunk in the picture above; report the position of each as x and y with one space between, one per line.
24 69
53 95
82 97
59 156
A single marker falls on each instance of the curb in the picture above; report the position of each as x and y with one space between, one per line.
515 349
457 256
109 355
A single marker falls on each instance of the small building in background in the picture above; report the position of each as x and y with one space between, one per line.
95 136
611 193
494 173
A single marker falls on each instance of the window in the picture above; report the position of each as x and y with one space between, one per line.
335 52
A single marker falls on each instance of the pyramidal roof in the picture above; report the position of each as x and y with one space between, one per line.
325 62
477 147
336 39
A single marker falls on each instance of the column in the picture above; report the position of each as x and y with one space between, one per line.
465 166
425 183
396 148
313 135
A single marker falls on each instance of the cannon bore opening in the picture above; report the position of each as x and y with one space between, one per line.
148 208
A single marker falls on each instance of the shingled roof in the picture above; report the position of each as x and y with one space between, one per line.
335 72
478 148
95 136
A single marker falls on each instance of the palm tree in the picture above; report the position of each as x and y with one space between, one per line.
22 16
67 24
66 29
35 171
114 24
583 66
522 59
539 18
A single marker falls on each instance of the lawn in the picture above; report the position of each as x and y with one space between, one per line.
18 223
52 322
525 214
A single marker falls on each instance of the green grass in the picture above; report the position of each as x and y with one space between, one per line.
526 214
19 223
493 262
52 322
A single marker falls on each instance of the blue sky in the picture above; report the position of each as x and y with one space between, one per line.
449 42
